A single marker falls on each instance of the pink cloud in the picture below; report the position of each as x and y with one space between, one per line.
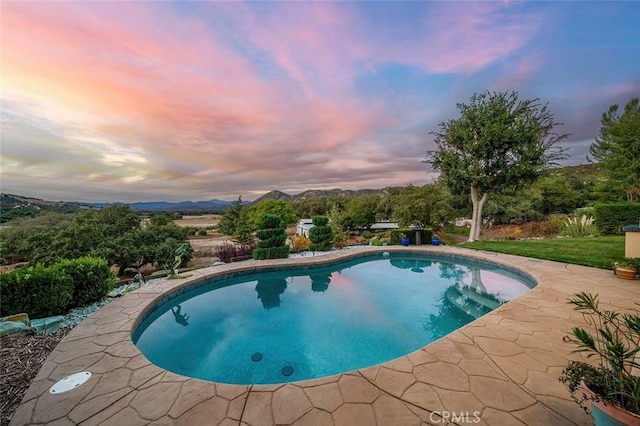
519 73
172 87
312 42
262 89
465 37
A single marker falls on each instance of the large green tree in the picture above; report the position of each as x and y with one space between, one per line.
25 234
313 206
618 150
422 206
157 244
282 208
106 233
230 219
243 233
514 206
362 211
498 142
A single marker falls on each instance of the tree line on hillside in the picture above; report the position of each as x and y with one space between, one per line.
560 191
115 234
13 207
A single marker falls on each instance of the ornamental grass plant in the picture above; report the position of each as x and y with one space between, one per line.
578 228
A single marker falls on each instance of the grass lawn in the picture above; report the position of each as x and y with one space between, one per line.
599 252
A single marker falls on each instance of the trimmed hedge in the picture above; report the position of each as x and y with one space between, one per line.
43 291
92 279
271 253
272 236
37 290
396 235
320 220
610 218
321 235
270 221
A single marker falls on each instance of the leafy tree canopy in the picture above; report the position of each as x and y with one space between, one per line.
362 211
243 233
313 206
423 206
282 208
229 220
618 151
498 142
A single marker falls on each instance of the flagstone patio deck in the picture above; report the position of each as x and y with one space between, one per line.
501 369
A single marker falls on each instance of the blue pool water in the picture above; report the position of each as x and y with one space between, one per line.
295 324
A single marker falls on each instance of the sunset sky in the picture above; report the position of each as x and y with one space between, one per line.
150 100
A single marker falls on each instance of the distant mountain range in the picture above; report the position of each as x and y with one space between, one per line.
192 206
312 193
13 206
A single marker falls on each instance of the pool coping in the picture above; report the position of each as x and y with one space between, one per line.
500 369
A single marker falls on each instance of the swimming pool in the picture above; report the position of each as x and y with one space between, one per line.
295 324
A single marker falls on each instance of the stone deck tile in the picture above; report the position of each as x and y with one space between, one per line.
503 366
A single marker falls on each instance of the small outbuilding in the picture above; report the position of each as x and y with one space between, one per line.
303 226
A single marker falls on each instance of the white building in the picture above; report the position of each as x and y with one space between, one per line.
303 226
383 226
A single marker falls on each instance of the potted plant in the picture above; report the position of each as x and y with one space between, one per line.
612 382
435 240
627 269
404 240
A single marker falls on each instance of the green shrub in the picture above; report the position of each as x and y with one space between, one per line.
37 290
272 238
558 220
202 232
271 253
376 242
396 235
320 220
610 218
270 221
190 230
587 211
92 279
321 235
367 234
340 238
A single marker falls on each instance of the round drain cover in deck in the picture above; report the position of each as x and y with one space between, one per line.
70 382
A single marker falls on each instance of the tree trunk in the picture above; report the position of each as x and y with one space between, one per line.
476 217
